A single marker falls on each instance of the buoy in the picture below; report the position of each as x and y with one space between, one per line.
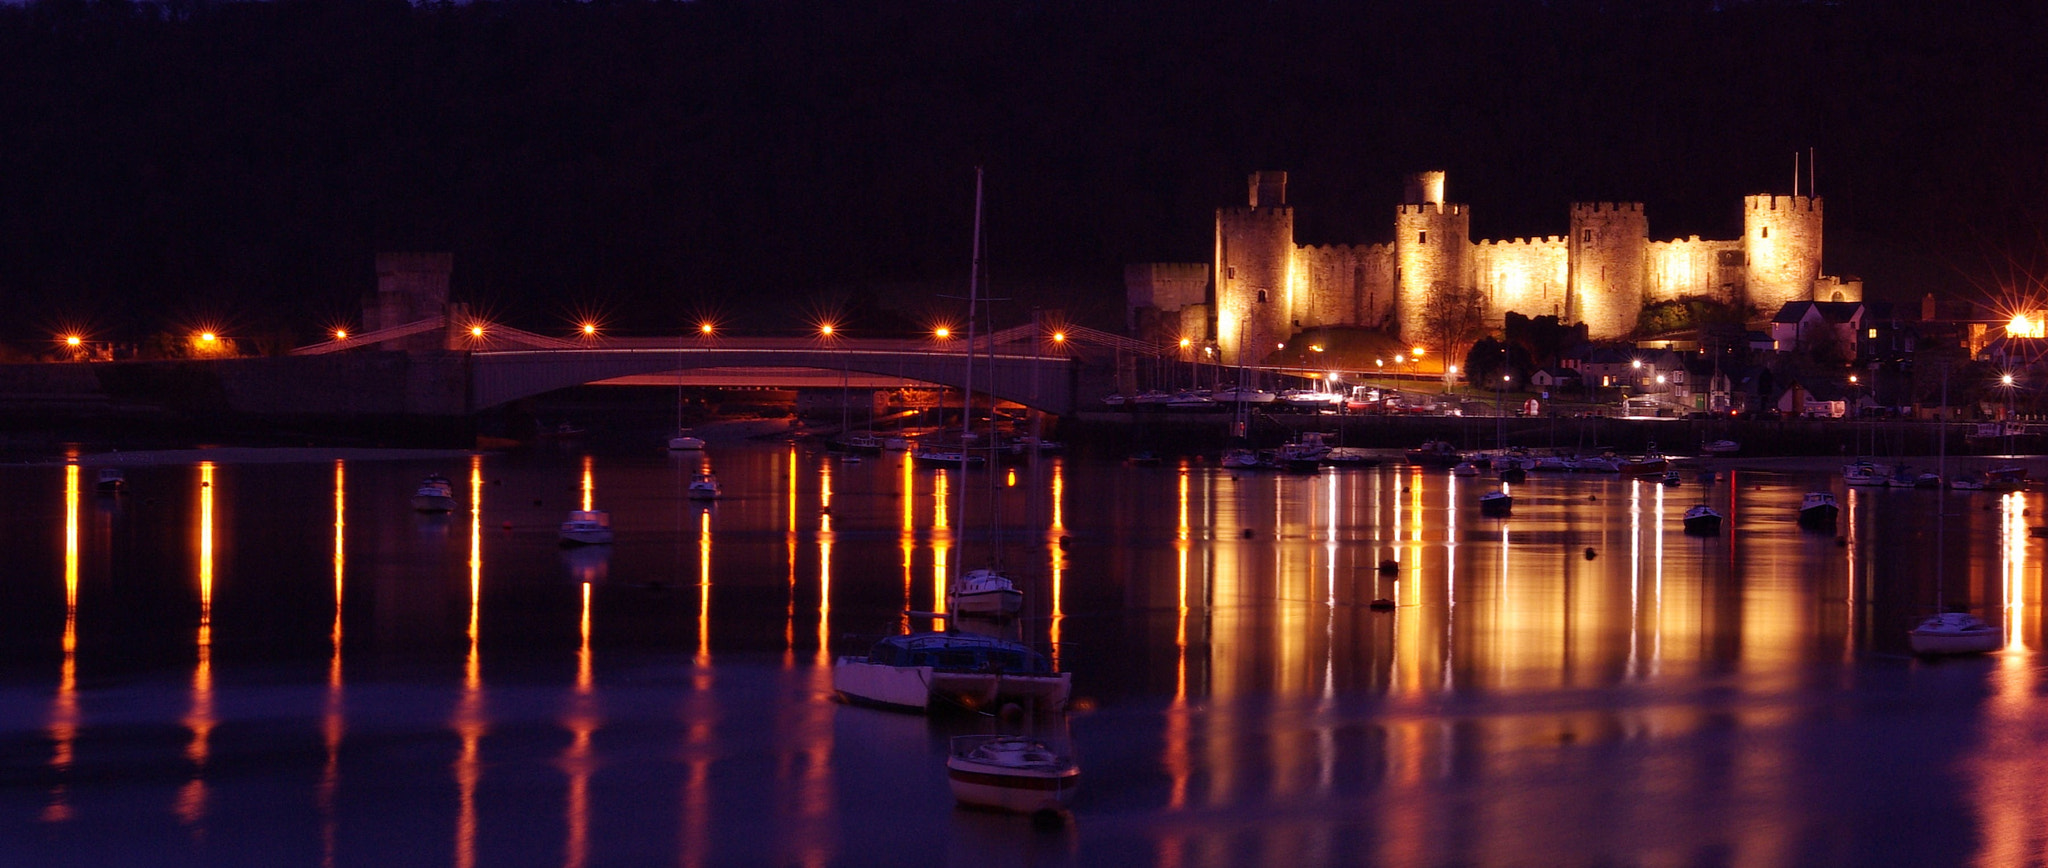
1592 497
1382 605
1388 568
1590 554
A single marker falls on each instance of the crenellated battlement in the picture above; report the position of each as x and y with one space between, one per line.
1544 241
1431 208
1782 203
1267 213
1579 208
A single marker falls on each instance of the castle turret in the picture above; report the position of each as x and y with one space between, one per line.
1254 258
1781 236
1432 246
1605 288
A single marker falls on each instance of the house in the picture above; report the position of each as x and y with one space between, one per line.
1556 379
1818 398
1826 329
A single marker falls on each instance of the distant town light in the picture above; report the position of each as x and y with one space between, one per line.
2006 379
942 333
341 334
476 331
1636 363
1418 352
1186 342
589 329
208 337
2024 326
825 329
704 329
1315 348
1059 337
74 340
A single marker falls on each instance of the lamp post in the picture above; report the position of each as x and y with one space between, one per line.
2006 424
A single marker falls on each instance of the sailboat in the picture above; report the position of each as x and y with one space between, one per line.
1946 633
984 592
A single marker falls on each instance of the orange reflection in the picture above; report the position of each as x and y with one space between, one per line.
1057 558
908 538
192 798
789 616
333 719
942 542
703 588
2012 534
589 484
825 541
64 711
1178 760
577 759
470 714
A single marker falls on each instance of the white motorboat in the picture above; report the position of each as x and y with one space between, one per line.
1955 633
1864 473
686 442
111 481
1011 773
985 593
1465 468
1496 502
1242 459
1817 510
587 527
1721 447
435 494
1702 520
704 486
933 671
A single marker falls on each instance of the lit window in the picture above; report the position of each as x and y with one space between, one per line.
1873 334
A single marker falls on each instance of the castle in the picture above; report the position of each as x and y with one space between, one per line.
1263 287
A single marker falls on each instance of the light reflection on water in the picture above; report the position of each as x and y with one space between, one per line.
1544 678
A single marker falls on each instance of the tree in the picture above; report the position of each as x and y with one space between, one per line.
1452 317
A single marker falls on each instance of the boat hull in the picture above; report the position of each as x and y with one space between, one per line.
1703 526
924 689
1955 633
433 503
586 537
1818 517
1002 603
994 787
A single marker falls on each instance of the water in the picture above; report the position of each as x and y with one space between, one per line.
269 659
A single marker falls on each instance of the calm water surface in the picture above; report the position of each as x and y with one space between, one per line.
269 659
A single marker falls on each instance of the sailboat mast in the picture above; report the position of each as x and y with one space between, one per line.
967 356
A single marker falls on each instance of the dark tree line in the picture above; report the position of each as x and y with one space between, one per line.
244 161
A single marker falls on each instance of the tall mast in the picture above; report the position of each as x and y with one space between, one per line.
967 383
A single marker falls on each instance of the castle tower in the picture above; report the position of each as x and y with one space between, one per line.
1254 259
1781 236
410 287
1609 266
1432 247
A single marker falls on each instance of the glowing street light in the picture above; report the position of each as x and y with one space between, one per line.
208 337
74 340
341 334
589 329
825 330
942 333
476 331
1059 337
704 328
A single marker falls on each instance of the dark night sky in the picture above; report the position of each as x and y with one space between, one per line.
243 162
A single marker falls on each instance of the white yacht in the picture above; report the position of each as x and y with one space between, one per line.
587 527
1011 773
933 671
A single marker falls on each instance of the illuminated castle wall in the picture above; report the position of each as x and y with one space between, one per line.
1602 272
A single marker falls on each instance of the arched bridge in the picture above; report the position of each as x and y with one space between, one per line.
1025 365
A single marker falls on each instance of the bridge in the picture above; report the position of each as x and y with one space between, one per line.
1030 365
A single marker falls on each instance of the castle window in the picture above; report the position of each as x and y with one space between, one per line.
1767 232
1586 236
1262 296
1230 271
1423 238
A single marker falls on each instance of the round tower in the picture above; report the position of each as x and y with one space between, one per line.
1781 237
1432 244
1609 261
1254 263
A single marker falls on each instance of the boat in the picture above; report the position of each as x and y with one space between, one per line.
935 671
2006 478
1721 447
947 456
986 593
1864 473
1649 464
685 442
113 481
1947 633
1817 510
1434 453
1702 520
1465 468
435 494
587 527
1305 454
1496 502
1954 633
1145 458
1350 456
1242 459
1968 482
1671 477
1010 773
704 486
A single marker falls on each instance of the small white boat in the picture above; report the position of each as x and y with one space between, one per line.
1955 633
1010 773
1968 482
932 671
435 494
1465 468
111 481
685 442
1817 510
1496 502
985 593
1242 459
1702 520
1864 473
704 486
1721 447
587 527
